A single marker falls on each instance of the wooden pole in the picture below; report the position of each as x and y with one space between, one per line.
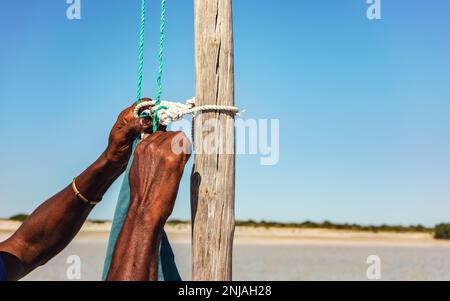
213 176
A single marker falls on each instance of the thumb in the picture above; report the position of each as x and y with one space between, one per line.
137 126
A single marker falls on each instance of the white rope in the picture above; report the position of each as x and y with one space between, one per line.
176 110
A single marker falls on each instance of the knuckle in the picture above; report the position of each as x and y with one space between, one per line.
171 159
174 161
124 113
152 147
140 148
175 158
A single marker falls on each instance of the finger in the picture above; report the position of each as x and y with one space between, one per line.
161 129
136 126
150 137
154 140
165 141
153 137
128 113
125 116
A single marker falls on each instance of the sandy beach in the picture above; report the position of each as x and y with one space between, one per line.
278 254
250 235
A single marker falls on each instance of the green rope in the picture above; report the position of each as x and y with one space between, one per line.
160 60
161 51
161 64
141 51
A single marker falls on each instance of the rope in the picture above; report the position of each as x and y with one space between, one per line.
167 112
164 112
161 51
160 55
160 58
161 65
141 52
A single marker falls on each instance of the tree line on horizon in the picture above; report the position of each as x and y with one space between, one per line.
441 231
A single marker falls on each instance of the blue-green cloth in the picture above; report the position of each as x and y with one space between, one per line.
167 269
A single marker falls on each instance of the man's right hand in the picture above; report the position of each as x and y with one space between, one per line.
155 175
156 172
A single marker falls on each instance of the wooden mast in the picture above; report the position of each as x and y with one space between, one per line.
213 176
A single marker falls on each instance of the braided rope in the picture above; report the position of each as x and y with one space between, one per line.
141 52
161 51
160 54
167 112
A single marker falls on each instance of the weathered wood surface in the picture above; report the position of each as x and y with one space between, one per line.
213 176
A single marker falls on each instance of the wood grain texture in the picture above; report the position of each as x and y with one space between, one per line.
213 176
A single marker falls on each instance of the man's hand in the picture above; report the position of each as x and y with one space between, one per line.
123 133
156 173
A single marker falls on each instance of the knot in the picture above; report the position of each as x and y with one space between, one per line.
166 112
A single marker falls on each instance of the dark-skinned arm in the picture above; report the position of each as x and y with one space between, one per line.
154 178
53 225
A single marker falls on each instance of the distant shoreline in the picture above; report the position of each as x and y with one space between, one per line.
181 233
327 225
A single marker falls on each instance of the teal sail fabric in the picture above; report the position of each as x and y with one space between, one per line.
167 269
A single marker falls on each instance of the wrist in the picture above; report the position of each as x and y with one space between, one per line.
98 177
136 251
151 216
110 163
116 156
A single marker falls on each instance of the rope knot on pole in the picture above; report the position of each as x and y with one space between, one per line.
166 112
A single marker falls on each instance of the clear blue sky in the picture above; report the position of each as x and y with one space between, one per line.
364 106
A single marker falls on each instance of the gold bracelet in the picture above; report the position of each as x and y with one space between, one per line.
80 196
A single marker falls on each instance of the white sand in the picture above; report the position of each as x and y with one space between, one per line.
285 236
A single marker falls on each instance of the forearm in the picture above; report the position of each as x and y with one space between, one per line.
53 225
135 256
